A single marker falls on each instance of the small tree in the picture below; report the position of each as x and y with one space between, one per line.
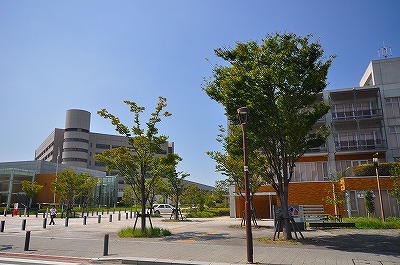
395 174
30 189
128 196
175 185
369 202
138 163
221 192
69 187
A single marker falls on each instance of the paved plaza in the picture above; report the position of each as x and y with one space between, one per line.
196 241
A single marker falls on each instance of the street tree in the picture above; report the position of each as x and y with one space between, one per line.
279 81
230 162
221 192
395 175
30 189
70 186
175 185
138 163
369 202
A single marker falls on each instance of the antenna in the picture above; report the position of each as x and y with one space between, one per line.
385 51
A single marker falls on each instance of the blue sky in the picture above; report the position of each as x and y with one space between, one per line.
60 55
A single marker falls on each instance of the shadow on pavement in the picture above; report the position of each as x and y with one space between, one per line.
378 244
196 236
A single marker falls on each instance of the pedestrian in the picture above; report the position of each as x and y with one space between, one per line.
53 213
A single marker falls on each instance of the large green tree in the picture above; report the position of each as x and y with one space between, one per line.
278 80
138 163
70 186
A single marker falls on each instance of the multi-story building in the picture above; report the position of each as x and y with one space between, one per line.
76 145
364 121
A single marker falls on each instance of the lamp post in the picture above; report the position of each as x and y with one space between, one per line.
376 164
243 115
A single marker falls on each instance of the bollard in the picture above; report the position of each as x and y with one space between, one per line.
82 213
119 216
23 224
66 221
37 213
106 239
127 215
108 211
92 212
131 214
44 222
102 212
110 218
84 220
44 215
27 238
99 218
3 223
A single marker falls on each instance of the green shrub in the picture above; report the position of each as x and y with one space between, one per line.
155 232
369 169
219 211
203 214
374 223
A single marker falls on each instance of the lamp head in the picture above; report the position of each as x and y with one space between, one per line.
242 113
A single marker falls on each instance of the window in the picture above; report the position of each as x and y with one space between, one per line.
74 159
103 146
75 150
394 136
392 107
76 140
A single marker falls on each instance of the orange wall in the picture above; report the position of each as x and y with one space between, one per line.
311 193
46 194
304 193
366 183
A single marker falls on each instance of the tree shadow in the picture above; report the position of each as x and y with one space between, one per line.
5 247
378 244
196 236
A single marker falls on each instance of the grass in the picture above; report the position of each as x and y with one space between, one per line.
374 223
270 240
155 232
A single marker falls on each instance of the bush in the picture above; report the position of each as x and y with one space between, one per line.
155 232
374 223
369 169
220 211
203 214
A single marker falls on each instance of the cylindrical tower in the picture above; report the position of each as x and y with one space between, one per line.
76 138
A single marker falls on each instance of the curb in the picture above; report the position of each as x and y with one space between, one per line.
150 261
49 257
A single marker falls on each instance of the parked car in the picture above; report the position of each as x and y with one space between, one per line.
163 208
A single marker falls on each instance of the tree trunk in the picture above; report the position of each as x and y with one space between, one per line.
143 204
177 209
287 228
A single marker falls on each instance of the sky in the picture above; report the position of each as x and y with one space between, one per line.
94 54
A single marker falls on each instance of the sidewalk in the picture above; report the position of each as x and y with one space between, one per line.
197 241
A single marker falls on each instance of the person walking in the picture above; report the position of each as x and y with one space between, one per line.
53 213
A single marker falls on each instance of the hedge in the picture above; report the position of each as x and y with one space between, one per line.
369 169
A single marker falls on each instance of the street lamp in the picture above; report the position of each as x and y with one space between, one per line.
243 115
376 164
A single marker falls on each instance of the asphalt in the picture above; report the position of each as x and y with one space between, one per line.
216 241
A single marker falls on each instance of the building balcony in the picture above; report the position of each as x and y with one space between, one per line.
356 115
361 145
317 150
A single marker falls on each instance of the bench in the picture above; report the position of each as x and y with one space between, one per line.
331 224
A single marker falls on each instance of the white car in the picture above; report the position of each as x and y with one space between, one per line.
163 209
